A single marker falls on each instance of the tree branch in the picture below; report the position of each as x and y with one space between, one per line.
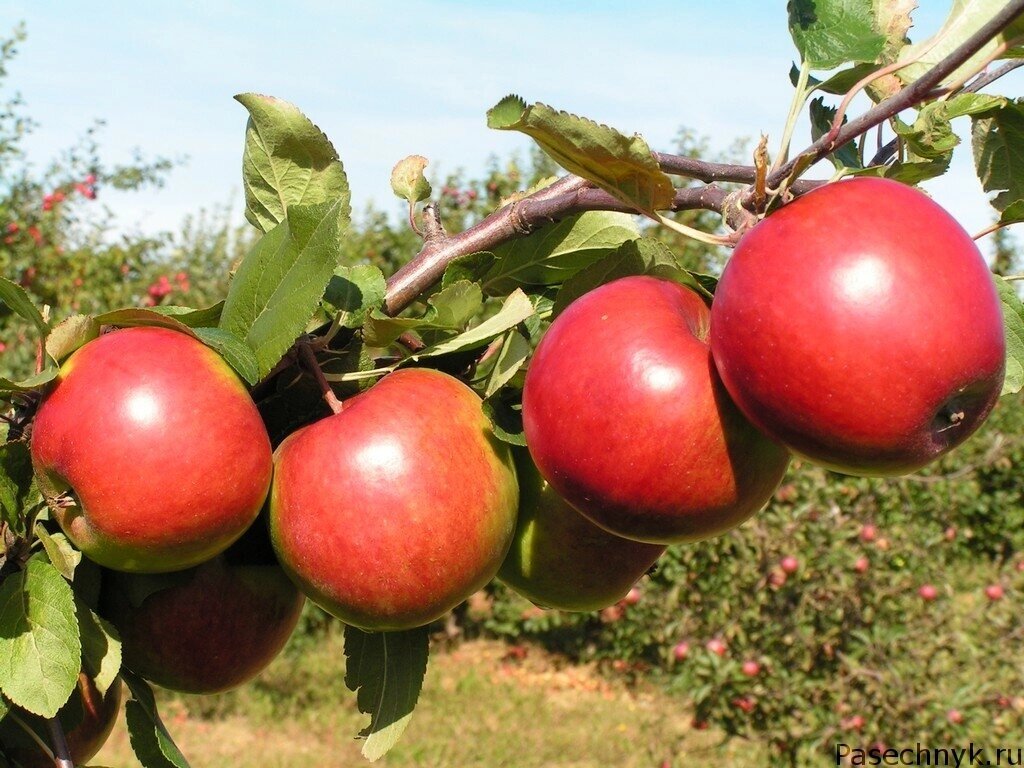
908 97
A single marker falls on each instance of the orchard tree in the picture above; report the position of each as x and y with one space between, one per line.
855 326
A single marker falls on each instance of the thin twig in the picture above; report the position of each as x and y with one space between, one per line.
309 360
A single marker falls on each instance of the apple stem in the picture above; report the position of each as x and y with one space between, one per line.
61 752
309 360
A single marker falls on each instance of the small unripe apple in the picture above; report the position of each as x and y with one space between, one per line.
151 451
393 511
994 592
717 646
751 668
209 628
625 416
789 564
87 720
859 325
560 559
928 592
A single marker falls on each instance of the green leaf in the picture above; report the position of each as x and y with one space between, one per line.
908 172
17 491
193 318
454 305
622 166
149 738
287 162
515 349
32 382
380 330
830 33
998 143
40 645
70 334
931 136
556 252
837 84
408 181
63 556
137 316
821 123
234 351
15 297
646 256
278 286
1013 213
517 307
471 267
101 647
965 18
1013 322
385 670
506 421
354 292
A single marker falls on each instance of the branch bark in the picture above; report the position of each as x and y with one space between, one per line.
61 752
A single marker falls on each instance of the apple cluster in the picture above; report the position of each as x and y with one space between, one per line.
856 327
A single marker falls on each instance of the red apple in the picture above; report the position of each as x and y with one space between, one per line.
861 565
209 628
393 511
928 592
860 327
994 592
717 646
868 533
855 723
789 564
87 719
681 651
559 559
751 668
626 418
955 716
159 446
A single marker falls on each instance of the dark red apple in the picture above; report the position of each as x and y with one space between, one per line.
393 511
559 559
209 628
859 326
160 447
626 418
87 720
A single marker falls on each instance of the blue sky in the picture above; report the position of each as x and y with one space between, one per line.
388 79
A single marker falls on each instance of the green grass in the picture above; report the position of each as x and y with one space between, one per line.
478 708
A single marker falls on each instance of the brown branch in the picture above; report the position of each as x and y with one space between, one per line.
908 97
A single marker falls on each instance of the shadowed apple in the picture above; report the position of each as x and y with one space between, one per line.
859 326
626 418
87 720
391 512
151 451
559 559
208 628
